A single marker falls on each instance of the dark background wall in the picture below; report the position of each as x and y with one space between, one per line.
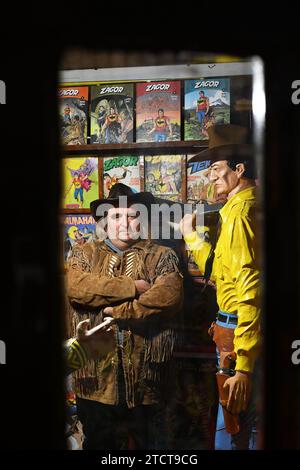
31 389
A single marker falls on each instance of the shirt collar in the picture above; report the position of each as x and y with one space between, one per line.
141 244
113 247
247 194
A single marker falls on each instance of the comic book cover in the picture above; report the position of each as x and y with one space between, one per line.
80 182
163 176
77 230
112 113
196 178
206 102
73 114
158 111
121 170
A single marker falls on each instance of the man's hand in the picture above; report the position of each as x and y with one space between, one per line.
141 286
108 311
187 224
97 341
239 392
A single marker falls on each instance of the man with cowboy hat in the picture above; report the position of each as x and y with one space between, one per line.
136 286
233 264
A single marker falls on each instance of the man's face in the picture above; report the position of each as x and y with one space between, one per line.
160 114
223 176
123 224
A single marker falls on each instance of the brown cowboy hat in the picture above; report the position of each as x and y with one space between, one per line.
226 142
118 190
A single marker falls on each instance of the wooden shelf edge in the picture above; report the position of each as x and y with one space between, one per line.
140 148
75 211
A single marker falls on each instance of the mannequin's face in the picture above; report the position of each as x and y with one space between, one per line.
225 179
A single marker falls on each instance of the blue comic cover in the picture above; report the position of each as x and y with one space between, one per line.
77 230
197 178
206 103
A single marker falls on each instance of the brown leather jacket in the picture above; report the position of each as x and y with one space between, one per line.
146 325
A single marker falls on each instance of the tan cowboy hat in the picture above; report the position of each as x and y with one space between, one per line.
226 142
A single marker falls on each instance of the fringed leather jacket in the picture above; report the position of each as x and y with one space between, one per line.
146 325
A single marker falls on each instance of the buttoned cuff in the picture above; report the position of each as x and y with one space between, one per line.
244 363
193 240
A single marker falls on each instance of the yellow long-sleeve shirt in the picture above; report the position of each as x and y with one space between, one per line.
235 271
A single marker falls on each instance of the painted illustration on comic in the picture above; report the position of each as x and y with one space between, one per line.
206 103
77 230
163 176
197 178
158 111
73 115
80 182
124 170
112 113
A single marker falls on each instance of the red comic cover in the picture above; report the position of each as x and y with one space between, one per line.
158 111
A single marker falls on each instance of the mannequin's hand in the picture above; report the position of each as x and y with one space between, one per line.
187 224
239 392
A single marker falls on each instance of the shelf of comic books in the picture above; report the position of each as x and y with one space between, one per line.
163 114
155 120
169 177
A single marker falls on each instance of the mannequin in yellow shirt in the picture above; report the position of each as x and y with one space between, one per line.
234 268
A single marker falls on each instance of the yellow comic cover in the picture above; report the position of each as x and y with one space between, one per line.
80 182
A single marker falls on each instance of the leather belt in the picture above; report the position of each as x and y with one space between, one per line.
227 318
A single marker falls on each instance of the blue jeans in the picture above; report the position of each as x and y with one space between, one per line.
245 439
78 191
200 116
160 136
